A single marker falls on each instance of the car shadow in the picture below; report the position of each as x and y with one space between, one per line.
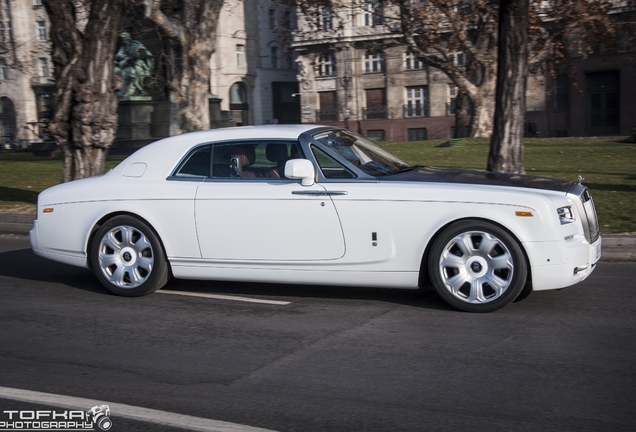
24 264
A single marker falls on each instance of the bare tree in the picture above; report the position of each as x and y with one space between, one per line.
190 27
84 39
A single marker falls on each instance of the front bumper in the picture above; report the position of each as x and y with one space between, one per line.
562 264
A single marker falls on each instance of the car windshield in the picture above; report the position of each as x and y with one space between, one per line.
368 156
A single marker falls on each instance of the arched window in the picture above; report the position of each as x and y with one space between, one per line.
238 103
238 94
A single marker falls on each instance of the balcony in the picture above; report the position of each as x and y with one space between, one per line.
411 111
40 81
375 113
326 116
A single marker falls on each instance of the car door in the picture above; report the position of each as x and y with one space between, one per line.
247 210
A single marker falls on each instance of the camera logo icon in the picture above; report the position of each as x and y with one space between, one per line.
100 415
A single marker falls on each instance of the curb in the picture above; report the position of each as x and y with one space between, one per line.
19 224
615 247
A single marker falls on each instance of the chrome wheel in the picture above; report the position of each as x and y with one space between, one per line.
476 267
128 257
125 257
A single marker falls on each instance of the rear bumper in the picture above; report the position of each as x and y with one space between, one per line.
562 264
63 256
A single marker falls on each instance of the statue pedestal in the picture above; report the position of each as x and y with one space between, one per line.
135 121
135 117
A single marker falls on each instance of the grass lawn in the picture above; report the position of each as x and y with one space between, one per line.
607 164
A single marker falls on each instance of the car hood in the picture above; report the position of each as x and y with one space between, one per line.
453 175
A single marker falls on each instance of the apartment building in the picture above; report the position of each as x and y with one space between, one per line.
252 70
354 72
26 75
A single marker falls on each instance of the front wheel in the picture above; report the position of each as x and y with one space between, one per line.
477 266
128 258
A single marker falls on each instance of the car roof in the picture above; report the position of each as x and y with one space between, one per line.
163 155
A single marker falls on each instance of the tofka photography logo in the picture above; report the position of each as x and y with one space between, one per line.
96 418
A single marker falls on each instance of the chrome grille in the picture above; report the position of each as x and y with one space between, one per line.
587 211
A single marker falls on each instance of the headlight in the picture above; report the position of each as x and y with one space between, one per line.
565 215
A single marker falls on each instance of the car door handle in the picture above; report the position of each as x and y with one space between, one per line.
319 193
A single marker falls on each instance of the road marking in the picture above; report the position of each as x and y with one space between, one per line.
224 297
127 411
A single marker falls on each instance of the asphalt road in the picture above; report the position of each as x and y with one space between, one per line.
333 359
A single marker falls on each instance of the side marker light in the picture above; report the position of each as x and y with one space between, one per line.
48 210
523 214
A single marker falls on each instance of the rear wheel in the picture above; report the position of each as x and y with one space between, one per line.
477 266
128 258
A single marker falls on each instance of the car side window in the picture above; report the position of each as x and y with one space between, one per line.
331 168
196 164
252 159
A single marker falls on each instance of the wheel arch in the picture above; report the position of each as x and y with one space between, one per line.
424 278
109 216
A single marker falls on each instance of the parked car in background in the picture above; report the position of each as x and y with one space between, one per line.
307 204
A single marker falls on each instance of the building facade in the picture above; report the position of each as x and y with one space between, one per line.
252 70
353 72
26 75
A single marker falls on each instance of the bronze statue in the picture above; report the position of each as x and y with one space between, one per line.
134 62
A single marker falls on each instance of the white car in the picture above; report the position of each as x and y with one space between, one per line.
307 204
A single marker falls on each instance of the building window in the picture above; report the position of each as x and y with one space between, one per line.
376 104
412 63
376 134
561 93
373 12
458 58
4 70
328 106
290 21
417 134
326 18
274 57
41 30
373 62
416 102
44 67
452 100
240 55
272 19
326 65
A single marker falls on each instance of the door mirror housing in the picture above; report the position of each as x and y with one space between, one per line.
301 169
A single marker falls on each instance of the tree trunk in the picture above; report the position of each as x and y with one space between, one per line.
191 29
85 113
462 104
484 107
506 145
189 97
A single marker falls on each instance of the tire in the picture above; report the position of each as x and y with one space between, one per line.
476 266
128 258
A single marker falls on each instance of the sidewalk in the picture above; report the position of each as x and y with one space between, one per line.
615 247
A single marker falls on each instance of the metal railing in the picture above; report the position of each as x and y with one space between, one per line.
326 116
415 111
375 113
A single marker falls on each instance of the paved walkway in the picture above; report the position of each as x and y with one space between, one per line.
615 247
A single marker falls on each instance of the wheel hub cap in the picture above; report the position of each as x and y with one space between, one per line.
126 258
476 267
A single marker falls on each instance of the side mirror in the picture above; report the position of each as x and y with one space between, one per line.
301 169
